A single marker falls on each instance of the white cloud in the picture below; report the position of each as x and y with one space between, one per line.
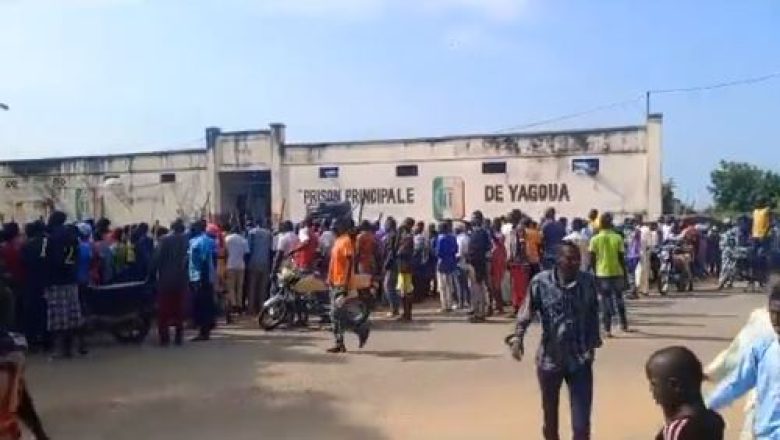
499 10
496 10
319 8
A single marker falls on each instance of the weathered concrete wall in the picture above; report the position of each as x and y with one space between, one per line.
629 139
244 151
538 174
127 189
450 181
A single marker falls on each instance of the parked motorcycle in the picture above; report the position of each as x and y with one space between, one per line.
675 268
306 294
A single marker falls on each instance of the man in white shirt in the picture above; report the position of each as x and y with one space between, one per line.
578 238
236 247
666 228
285 244
327 239
463 242
648 240
463 292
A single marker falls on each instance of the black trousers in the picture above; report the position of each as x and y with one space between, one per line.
580 384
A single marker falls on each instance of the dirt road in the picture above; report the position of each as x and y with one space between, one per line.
436 378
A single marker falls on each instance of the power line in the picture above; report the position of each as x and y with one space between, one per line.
720 85
573 115
646 96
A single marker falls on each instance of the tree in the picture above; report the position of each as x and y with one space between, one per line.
670 204
737 186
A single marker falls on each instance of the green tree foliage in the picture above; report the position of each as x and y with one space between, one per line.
737 186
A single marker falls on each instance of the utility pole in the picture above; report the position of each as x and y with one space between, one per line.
647 103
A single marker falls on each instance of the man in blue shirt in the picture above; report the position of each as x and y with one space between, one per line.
259 266
202 254
446 253
759 367
566 303
553 233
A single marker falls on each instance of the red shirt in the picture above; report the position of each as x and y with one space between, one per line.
305 257
12 256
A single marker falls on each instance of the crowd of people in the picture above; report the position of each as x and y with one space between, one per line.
481 266
570 275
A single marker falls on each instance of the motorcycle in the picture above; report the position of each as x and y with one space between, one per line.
306 294
675 268
738 268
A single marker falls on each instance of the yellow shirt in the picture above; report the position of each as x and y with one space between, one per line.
608 248
595 225
761 222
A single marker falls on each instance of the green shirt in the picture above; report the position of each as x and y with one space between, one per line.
607 246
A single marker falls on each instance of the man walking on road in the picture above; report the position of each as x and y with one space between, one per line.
566 303
608 258
342 265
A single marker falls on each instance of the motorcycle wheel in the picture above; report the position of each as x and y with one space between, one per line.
272 316
663 284
133 331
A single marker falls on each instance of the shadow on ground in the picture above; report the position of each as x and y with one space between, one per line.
200 391
426 355
639 334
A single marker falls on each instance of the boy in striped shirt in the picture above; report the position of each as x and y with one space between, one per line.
675 376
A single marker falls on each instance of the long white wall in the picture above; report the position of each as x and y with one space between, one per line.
449 180
127 189
539 174
530 184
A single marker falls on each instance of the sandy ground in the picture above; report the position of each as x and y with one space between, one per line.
436 378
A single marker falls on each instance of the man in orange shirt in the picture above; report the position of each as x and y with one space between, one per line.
340 271
533 245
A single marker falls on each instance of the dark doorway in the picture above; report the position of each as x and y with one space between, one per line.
245 195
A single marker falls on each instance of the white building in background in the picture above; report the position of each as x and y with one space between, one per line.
257 173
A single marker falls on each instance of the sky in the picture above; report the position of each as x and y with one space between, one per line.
114 76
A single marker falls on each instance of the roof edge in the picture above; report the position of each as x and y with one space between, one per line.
472 136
